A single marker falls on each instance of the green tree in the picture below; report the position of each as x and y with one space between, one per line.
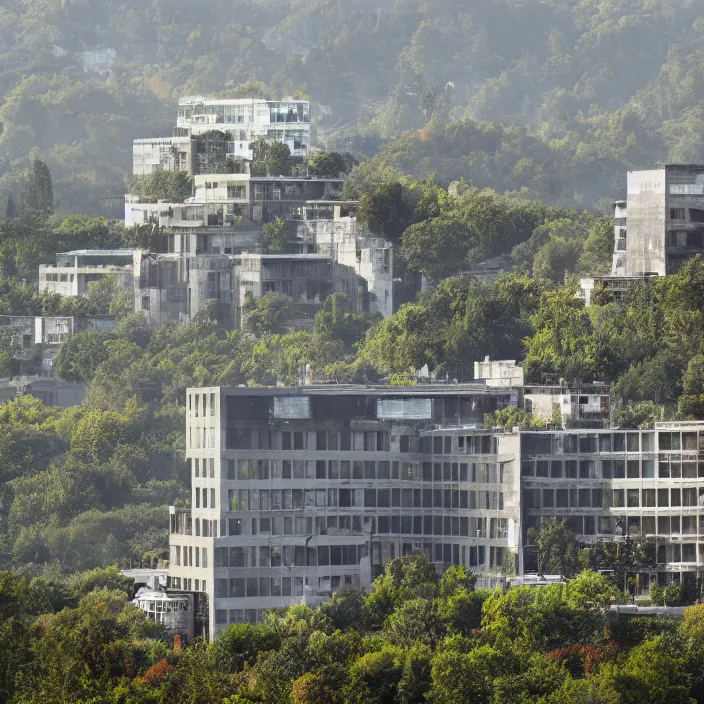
170 186
278 159
325 164
557 549
37 190
269 313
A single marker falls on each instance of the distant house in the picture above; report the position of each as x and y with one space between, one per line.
97 59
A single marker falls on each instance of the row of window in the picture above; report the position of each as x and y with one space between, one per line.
406 524
187 553
59 277
201 405
287 499
311 440
240 587
290 556
188 584
593 443
200 498
474 472
616 498
201 438
623 525
636 468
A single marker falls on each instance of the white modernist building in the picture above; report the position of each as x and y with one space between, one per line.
248 119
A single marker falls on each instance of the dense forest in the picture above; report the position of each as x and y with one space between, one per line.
414 638
554 99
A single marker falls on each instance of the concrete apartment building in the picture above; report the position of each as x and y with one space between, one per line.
332 228
224 215
73 271
576 406
297 493
657 229
308 279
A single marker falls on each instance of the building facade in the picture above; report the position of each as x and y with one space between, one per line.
610 484
658 228
73 271
665 218
299 492
332 228
308 279
248 119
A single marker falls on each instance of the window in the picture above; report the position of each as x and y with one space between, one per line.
677 213
633 498
649 498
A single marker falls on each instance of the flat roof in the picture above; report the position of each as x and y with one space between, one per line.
356 389
305 179
160 140
668 166
254 255
98 252
191 99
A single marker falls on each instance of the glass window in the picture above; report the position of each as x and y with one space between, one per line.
633 498
649 498
633 469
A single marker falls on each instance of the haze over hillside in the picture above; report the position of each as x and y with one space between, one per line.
594 86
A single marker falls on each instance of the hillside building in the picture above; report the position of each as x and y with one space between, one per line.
73 271
247 119
300 492
297 493
658 228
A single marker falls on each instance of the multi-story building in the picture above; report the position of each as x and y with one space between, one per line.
173 288
583 406
665 218
223 200
73 271
657 229
332 228
34 340
308 279
247 119
298 492
609 484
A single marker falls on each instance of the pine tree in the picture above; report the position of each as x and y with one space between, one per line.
37 190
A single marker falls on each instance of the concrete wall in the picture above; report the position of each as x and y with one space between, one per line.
645 243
